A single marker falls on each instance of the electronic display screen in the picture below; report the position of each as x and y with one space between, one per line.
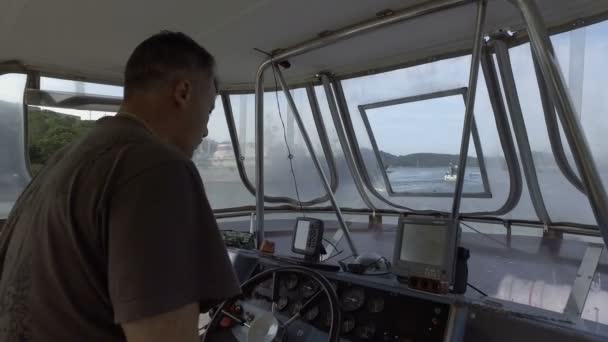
424 244
302 231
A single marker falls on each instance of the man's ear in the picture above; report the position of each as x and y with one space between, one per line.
182 92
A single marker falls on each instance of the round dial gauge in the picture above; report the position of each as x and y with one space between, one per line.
312 313
309 288
348 324
295 308
282 303
352 299
291 282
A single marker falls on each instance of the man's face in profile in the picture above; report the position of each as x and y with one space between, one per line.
199 108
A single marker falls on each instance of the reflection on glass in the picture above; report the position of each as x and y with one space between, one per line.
56 84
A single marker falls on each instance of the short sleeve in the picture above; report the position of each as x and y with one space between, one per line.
164 247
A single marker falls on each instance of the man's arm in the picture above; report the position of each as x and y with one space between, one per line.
180 325
165 251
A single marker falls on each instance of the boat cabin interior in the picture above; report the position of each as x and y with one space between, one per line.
389 170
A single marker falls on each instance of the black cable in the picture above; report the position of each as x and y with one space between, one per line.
332 244
335 248
333 256
289 156
478 290
485 235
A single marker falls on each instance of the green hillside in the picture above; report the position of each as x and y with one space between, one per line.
48 131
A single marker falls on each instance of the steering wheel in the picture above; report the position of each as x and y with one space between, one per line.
262 324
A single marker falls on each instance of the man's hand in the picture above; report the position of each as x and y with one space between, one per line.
180 325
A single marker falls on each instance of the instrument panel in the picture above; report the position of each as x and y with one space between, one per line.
368 314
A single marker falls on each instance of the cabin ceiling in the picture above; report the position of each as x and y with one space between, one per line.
92 39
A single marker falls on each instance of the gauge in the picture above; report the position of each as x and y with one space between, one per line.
352 299
295 308
282 303
309 288
366 331
311 314
348 324
375 304
291 282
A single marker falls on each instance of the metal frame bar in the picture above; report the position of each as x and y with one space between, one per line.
351 135
323 138
504 132
32 82
310 45
422 97
316 160
259 154
348 153
550 68
470 106
519 128
565 227
584 278
354 146
555 139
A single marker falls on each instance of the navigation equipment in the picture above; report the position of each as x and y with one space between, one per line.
307 238
425 251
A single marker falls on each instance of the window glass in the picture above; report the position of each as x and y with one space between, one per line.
13 170
416 164
50 129
282 138
216 163
411 133
581 54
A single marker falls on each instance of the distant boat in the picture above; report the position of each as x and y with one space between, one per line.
451 174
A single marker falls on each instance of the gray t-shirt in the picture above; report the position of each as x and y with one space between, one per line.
115 228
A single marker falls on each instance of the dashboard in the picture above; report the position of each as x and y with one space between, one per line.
368 314
369 311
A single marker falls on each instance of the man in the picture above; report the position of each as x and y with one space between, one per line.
115 240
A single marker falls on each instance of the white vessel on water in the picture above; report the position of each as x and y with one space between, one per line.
451 174
322 83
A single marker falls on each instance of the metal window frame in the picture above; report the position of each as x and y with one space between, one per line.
523 38
347 151
503 129
503 60
505 135
555 139
310 45
323 138
486 193
556 85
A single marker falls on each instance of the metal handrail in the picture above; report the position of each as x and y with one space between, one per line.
315 159
470 106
